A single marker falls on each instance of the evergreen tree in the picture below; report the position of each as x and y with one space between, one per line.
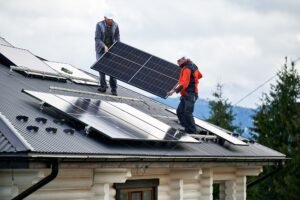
221 113
278 124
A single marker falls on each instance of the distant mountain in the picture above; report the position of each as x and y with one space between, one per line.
243 116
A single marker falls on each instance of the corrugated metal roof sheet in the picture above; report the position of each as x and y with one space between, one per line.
5 145
14 103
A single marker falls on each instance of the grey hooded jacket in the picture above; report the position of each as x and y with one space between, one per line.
100 34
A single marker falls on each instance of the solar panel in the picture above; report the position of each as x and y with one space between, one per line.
215 130
115 120
4 42
25 59
138 68
73 73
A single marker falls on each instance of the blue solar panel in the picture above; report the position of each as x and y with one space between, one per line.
138 68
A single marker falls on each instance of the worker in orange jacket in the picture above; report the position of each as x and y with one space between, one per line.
188 88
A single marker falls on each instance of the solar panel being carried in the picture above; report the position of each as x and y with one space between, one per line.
138 68
73 73
115 120
25 61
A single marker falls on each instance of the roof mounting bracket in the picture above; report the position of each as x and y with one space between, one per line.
51 130
22 118
42 104
87 129
33 129
69 131
41 120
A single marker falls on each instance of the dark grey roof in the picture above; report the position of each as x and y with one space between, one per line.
10 139
14 103
5 145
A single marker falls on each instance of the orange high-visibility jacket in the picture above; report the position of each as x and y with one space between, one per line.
189 79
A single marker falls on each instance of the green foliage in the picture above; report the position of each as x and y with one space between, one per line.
221 113
278 124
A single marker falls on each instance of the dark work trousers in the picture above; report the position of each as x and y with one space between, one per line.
185 112
112 80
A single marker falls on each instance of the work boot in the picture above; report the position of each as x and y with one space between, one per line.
187 131
114 92
102 89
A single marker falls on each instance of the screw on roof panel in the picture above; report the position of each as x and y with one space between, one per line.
51 130
32 129
22 118
69 131
41 120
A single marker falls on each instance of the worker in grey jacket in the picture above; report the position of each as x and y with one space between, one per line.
107 33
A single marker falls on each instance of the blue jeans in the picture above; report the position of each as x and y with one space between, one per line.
112 80
185 112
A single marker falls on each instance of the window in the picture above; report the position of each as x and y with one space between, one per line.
145 189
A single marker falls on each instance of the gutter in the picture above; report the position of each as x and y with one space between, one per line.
258 180
41 183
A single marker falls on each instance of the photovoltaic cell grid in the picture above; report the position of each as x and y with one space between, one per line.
116 120
139 69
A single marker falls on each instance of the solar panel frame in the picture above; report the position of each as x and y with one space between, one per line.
215 130
110 120
142 66
76 73
25 59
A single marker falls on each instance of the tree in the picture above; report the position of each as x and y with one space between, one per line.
278 123
221 113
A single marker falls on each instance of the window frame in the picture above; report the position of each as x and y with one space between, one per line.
137 185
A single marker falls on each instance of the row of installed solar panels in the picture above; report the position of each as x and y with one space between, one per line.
121 121
23 60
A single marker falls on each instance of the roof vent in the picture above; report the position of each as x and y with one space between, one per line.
69 131
59 121
22 118
41 120
32 129
51 130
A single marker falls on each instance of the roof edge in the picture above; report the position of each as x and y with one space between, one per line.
25 145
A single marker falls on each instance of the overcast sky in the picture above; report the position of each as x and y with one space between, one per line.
240 44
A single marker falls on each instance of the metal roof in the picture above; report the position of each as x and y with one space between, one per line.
15 103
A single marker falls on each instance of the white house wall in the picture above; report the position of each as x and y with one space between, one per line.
97 183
